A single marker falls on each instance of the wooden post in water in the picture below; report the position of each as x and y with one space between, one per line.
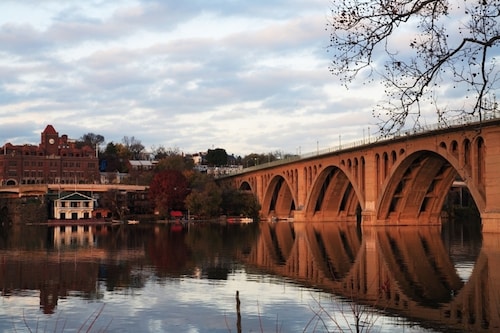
238 314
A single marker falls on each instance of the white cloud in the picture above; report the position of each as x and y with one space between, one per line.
244 76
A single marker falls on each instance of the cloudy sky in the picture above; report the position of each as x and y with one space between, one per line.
246 76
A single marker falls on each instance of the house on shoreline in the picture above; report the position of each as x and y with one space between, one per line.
74 206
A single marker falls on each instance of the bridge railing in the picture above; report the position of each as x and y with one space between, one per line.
459 122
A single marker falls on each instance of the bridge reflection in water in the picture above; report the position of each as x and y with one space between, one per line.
405 270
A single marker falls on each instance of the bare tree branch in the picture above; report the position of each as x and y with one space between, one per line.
423 50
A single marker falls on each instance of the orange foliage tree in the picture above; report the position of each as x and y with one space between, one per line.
168 190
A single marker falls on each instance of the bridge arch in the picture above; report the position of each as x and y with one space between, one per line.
278 200
245 186
418 186
333 195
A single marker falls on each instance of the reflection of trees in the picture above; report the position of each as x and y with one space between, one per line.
56 277
210 248
168 252
214 247
119 275
5 219
19 237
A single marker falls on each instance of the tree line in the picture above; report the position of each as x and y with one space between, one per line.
174 184
115 155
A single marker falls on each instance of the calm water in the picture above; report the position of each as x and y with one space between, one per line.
290 278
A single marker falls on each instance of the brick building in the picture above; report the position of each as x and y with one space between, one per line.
56 159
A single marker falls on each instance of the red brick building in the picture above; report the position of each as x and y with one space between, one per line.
56 159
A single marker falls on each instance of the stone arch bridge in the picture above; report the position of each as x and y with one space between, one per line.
402 180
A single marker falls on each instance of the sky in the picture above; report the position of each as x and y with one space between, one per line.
245 76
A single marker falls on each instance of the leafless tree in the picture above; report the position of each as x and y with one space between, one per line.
422 50
91 139
134 146
162 152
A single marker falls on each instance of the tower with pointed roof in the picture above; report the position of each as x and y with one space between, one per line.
50 140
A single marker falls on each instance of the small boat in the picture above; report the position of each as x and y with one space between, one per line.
239 220
132 221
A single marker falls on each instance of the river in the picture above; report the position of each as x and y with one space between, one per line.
290 277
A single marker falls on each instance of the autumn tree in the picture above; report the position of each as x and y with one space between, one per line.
205 202
175 162
209 200
198 180
168 190
113 158
422 50
239 203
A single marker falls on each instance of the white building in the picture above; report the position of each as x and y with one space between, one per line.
73 206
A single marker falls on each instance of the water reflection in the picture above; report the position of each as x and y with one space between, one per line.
424 273
444 278
71 260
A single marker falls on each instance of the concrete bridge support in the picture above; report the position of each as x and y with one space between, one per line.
490 214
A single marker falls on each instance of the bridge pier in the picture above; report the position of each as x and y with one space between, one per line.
299 215
490 222
368 218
